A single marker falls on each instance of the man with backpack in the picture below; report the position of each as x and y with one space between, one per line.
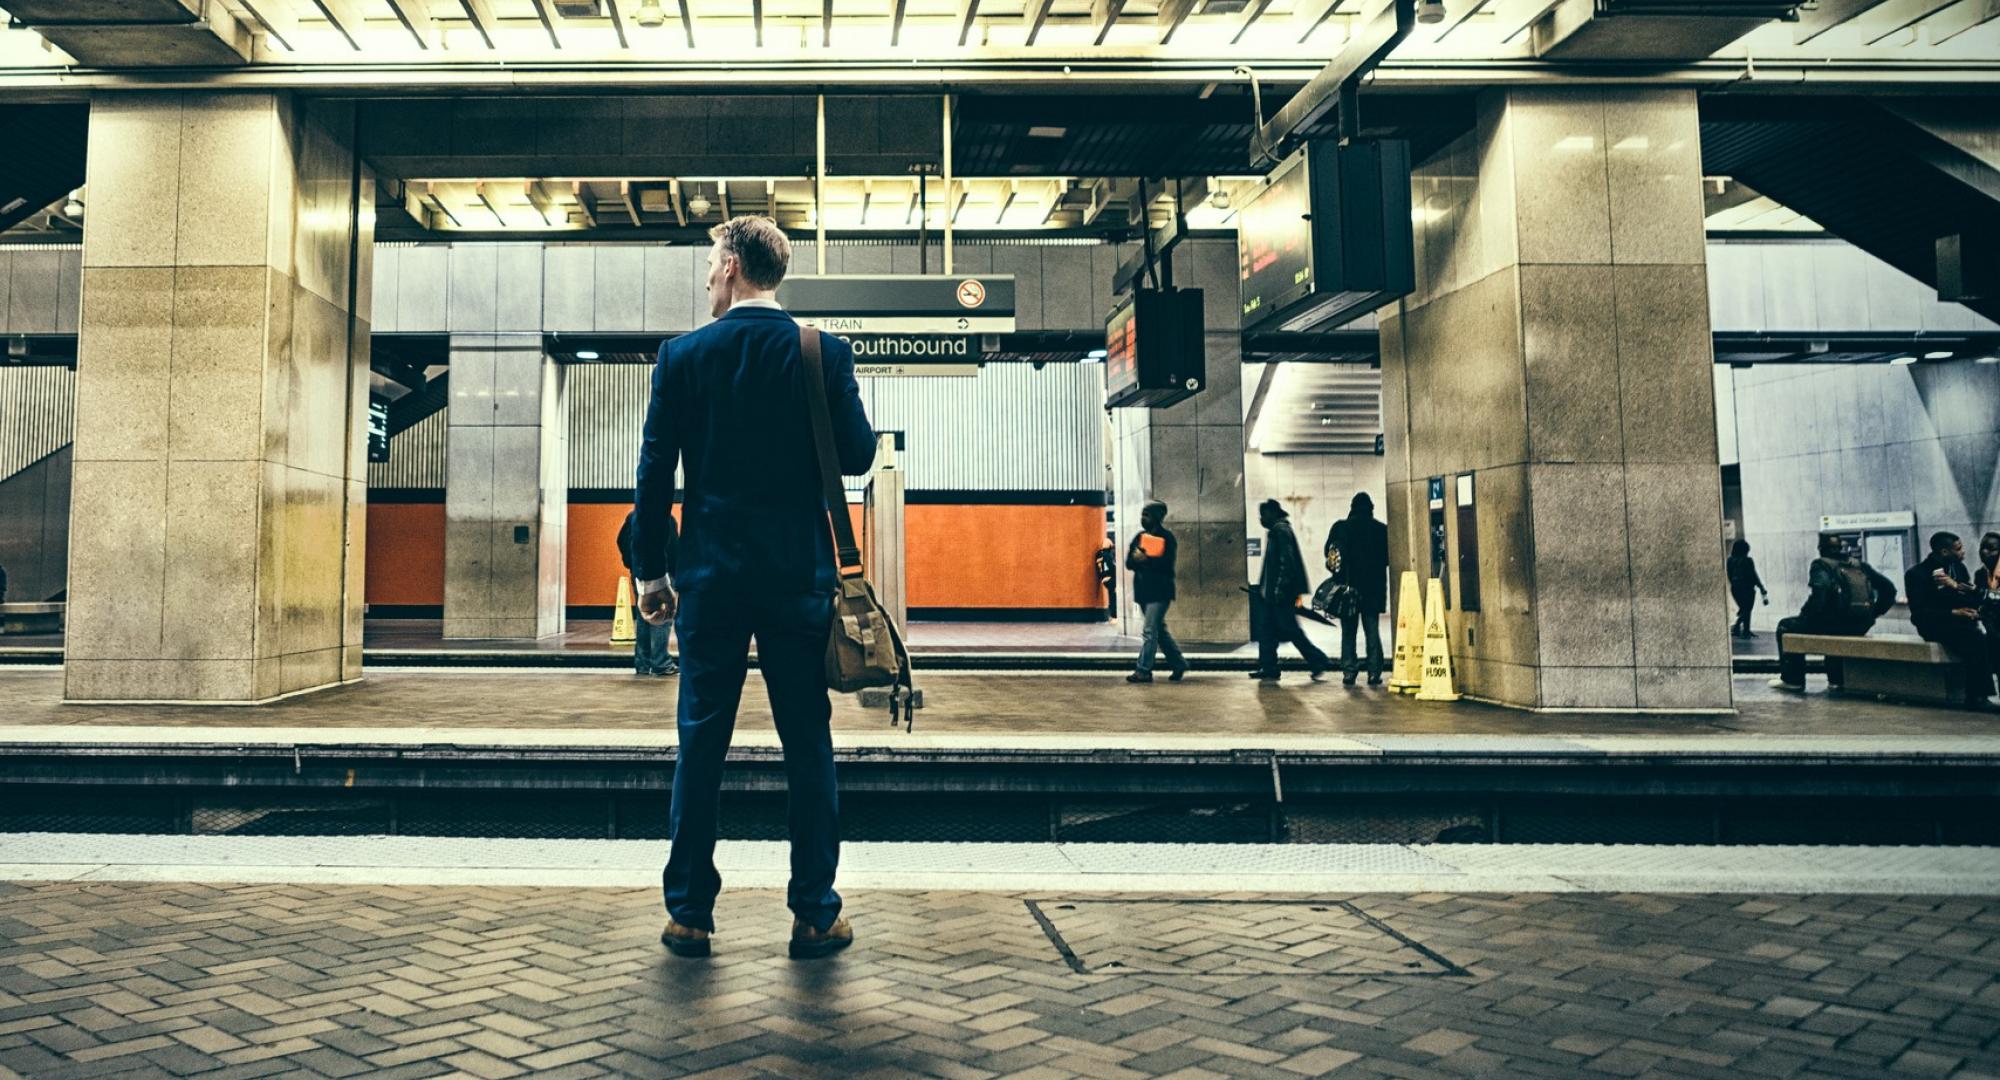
1944 607
1847 597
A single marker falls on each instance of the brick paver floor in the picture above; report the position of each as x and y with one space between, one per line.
331 980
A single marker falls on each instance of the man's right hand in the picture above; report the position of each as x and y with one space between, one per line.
657 608
1966 612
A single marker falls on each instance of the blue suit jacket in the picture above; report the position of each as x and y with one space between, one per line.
729 406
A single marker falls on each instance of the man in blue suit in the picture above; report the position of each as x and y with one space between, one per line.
756 559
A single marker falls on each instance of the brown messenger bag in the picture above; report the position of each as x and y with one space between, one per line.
863 645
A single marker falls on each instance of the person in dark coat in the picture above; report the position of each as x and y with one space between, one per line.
1153 591
756 561
1280 586
649 650
1987 580
1944 607
1827 611
1361 545
1744 585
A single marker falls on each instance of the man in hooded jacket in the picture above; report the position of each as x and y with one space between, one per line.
1280 586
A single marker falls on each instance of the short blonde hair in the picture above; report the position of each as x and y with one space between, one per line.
760 248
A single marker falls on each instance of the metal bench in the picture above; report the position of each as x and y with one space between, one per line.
31 618
1892 665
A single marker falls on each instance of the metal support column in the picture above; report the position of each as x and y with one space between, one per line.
950 203
882 531
819 189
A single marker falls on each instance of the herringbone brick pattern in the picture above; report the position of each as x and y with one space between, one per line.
321 980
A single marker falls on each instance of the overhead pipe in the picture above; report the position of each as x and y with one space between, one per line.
1335 87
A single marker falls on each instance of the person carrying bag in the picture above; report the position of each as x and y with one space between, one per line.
864 649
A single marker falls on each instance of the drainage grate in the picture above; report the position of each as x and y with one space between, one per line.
1231 938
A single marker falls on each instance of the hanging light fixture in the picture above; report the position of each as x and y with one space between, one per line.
74 207
649 14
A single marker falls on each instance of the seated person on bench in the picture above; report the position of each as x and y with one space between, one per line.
1944 607
1847 597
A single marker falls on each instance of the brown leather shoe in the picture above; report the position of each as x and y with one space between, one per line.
684 940
808 943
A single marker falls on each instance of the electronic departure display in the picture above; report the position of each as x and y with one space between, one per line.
378 429
1121 352
1154 352
1274 251
1328 239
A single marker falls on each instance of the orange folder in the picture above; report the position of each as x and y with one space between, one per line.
1154 546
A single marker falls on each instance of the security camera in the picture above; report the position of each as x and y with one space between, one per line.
1430 11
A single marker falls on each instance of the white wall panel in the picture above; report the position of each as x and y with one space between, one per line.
1011 428
416 457
37 415
607 407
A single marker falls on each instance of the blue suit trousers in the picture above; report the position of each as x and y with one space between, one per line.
716 626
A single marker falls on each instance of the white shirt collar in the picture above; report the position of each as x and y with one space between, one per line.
757 301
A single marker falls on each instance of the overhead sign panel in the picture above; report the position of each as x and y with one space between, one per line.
903 303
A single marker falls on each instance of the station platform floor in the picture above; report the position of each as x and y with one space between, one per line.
399 640
1219 711
338 977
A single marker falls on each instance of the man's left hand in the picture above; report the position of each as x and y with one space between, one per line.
657 608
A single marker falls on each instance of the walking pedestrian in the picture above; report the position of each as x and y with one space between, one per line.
1744 585
1360 545
1279 586
729 407
649 647
1150 557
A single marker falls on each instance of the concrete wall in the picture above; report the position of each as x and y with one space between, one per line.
1754 285
1923 438
1780 286
39 286
658 288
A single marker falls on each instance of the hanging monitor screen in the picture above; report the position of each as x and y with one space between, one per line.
1328 238
1274 243
1153 349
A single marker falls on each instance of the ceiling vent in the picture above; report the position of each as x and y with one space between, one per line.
1651 29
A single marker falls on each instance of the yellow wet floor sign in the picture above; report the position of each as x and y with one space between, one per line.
1437 649
623 630
1407 669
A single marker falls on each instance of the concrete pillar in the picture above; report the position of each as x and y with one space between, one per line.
1557 349
506 495
221 403
1190 456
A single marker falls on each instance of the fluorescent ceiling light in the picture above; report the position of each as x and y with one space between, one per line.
1903 361
1940 355
1988 360
586 355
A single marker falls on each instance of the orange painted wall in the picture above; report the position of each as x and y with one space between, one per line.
960 556
1003 556
405 554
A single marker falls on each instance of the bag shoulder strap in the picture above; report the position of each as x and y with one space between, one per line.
831 489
